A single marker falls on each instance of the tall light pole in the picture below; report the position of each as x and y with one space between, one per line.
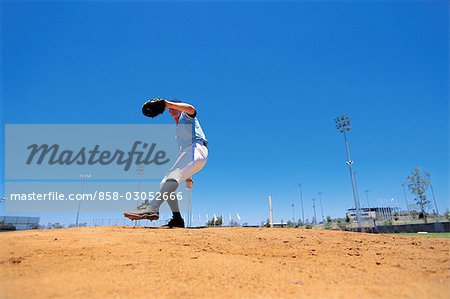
356 185
321 207
301 200
367 197
140 170
2 203
406 198
189 207
270 212
343 125
293 214
434 199
314 208
83 177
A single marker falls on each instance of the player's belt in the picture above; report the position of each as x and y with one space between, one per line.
205 143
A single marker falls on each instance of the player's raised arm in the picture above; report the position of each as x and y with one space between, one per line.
184 107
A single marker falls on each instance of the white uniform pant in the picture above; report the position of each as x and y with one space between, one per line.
190 161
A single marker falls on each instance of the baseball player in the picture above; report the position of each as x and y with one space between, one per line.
192 158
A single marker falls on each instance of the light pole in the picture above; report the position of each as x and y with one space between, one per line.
434 199
367 197
270 212
140 170
321 207
343 125
2 203
406 198
293 214
189 207
357 192
356 185
301 200
314 208
83 177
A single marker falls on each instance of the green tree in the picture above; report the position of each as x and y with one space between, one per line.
54 225
347 218
290 224
217 222
418 183
233 223
342 225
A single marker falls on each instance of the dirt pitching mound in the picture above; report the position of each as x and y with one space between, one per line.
126 262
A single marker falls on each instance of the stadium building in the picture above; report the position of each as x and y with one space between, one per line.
18 223
376 213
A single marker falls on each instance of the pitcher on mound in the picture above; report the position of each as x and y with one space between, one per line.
192 158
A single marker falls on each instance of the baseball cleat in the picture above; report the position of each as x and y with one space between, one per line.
175 223
143 211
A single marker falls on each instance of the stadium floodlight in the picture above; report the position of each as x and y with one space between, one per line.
314 208
406 198
301 200
321 206
189 207
270 212
140 171
434 199
83 178
293 213
367 197
343 125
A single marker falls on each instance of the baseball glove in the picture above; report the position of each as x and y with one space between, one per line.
154 107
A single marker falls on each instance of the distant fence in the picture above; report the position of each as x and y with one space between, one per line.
115 222
436 227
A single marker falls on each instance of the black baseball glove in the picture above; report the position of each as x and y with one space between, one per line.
154 107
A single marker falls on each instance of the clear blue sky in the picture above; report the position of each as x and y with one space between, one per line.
267 79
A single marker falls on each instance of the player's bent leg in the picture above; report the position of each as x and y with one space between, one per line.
170 186
189 170
187 164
